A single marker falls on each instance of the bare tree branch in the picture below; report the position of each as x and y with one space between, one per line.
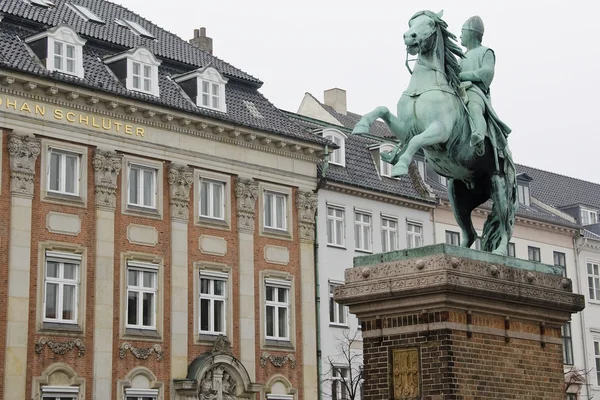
345 369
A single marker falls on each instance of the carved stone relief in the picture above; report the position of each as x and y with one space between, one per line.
217 384
307 206
107 165
141 353
180 178
406 373
277 361
23 151
59 348
246 192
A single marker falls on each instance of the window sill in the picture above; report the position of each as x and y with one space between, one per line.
63 199
340 326
363 251
142 212
278 344
276 233
214 223
65 328
335 246
209 338
142 334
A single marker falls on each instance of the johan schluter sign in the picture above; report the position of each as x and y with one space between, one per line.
464 140
40 110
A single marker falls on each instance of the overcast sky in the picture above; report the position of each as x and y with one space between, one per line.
547 60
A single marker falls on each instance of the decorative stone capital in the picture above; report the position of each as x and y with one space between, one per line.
307 206
246 192
181 178
23 151
107 165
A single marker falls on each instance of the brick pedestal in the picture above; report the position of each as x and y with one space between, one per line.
442 322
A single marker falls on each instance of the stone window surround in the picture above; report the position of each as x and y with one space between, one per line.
143 56
208 267
44 379
129 381
279 383
133 334
340 208
128 209
207 222
270 344
286 234
342 150
57 328
57 198
66 35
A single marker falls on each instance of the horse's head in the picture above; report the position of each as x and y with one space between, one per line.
420 37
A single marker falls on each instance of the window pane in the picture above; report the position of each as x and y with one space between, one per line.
341 314
136 68
331 310
339 225
282 295
270 322
269 210
219 316
136 82
283 328
148 278
54 181
68 312
51 300
205 286
52 269
393 240
70 65
132 278
215 89
147 85
148 188
204 199
219 288
147 71
148 309
133 186
70 51
204 314
205 100
70 271
205 87
132 311
280 209
270 291
58 48
71 174
217 200
330 237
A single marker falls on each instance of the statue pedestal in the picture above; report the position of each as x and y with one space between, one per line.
444 322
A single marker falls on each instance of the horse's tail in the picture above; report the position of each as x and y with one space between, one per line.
492 230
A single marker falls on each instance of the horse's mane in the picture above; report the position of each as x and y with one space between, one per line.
451 49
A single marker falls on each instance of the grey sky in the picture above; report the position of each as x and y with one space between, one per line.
547 60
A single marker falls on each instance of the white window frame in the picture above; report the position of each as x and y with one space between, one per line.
524 194
337 156
452 235
340 312
61 57
59 392
508 247
276 304
143 77
596 357
273 212
63 35
140 189
62 258
567 341
140 394
62 179
337 381
364 229
387 232
593 280
140 268
413 239
532 250
213 276
211 184
385 169
421 168
331 222
588 217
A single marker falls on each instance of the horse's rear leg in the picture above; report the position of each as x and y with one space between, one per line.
464 201
498 228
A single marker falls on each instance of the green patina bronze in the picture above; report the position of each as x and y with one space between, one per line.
446 111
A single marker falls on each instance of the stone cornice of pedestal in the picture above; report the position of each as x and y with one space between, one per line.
445 277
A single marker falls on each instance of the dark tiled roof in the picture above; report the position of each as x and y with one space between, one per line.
360 170
561 191
15 55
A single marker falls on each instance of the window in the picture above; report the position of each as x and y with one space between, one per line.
43 3
85 13
63 172
275 210
59 49
477 244
337 156
213 300
61 286
421 168
335 226
64 57
414 235
362 231
337 312
277 309
597 359
385 169
533 253
523 194
206 88
136 28
443 180
389 234
60 392
142 288
339 381
567 344
571 396
560 261
594 281
453 238
588 217
142 186
210 94
510 250
212 199
141 394
142 77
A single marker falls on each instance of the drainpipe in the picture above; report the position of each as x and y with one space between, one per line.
581 319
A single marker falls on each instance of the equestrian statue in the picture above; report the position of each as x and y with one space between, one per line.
446 111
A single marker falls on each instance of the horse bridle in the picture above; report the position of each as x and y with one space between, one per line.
430 15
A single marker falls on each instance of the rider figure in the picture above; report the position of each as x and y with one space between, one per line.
478 68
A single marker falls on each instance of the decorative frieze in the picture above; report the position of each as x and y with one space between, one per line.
59 347
107 165
277 361
246 192
23 151
307 206
141 353
181 178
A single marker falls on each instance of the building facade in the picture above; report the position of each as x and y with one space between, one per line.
156 216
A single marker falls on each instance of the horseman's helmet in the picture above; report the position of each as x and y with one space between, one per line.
474 24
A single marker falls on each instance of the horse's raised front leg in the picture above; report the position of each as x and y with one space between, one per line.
434 134
364 125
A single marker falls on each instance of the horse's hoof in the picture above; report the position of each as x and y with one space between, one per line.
390 157
399 170
360 129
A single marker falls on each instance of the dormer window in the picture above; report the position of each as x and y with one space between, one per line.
205 87
135 28
523 189
337 156
85 13
137 70
59 49
385 168
588 217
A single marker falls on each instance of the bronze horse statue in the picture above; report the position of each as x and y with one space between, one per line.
432 116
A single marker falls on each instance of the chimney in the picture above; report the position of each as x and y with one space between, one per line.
202 41
336 99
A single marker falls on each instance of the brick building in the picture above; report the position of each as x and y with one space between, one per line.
156 216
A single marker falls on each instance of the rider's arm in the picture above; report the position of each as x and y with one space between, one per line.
485 74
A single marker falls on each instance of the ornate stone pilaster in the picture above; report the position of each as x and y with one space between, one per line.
307 206
23 151
246 192
107 165
181 178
